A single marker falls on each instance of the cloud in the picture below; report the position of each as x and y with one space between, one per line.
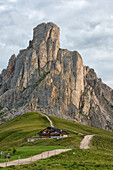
86 26
12 1
2 45
72 4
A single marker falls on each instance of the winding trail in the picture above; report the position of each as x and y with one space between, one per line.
84 144
43 155
51 123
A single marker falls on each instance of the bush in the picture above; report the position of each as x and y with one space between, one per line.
14 151
9 149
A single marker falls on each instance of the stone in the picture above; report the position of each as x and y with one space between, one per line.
45 77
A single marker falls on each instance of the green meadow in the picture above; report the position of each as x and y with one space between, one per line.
27 151
15 132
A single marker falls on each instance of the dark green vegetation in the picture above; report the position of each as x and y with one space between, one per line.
1 108
39 81
5 90
100 156
108 103
44 76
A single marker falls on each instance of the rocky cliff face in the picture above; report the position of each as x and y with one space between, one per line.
47 78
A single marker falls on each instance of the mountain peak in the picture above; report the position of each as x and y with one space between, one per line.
46 32
48 78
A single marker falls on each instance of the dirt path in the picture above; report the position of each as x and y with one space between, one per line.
51 123
43 155
84 144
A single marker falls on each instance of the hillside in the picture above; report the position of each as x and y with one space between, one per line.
45 77
15 132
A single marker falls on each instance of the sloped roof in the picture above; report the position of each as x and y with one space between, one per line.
52 129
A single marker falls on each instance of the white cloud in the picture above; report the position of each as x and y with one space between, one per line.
72 4
33 13
12 0
2 8
2 45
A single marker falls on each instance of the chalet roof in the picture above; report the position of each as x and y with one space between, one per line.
53 129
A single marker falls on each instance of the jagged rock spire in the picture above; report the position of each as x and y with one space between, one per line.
55 80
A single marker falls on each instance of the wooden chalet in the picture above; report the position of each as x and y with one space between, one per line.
52 132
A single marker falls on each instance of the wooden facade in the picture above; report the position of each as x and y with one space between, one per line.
52 132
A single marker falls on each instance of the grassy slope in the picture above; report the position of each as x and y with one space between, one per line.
99 156
21 127
71 126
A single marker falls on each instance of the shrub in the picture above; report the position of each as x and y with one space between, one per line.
14 151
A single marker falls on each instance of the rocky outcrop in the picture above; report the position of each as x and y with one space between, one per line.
97 101
45 77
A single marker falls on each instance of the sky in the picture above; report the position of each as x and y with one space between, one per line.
85 26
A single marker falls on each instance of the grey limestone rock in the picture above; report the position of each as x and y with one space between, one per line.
45 77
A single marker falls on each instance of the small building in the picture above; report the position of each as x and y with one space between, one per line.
52 132
32 139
